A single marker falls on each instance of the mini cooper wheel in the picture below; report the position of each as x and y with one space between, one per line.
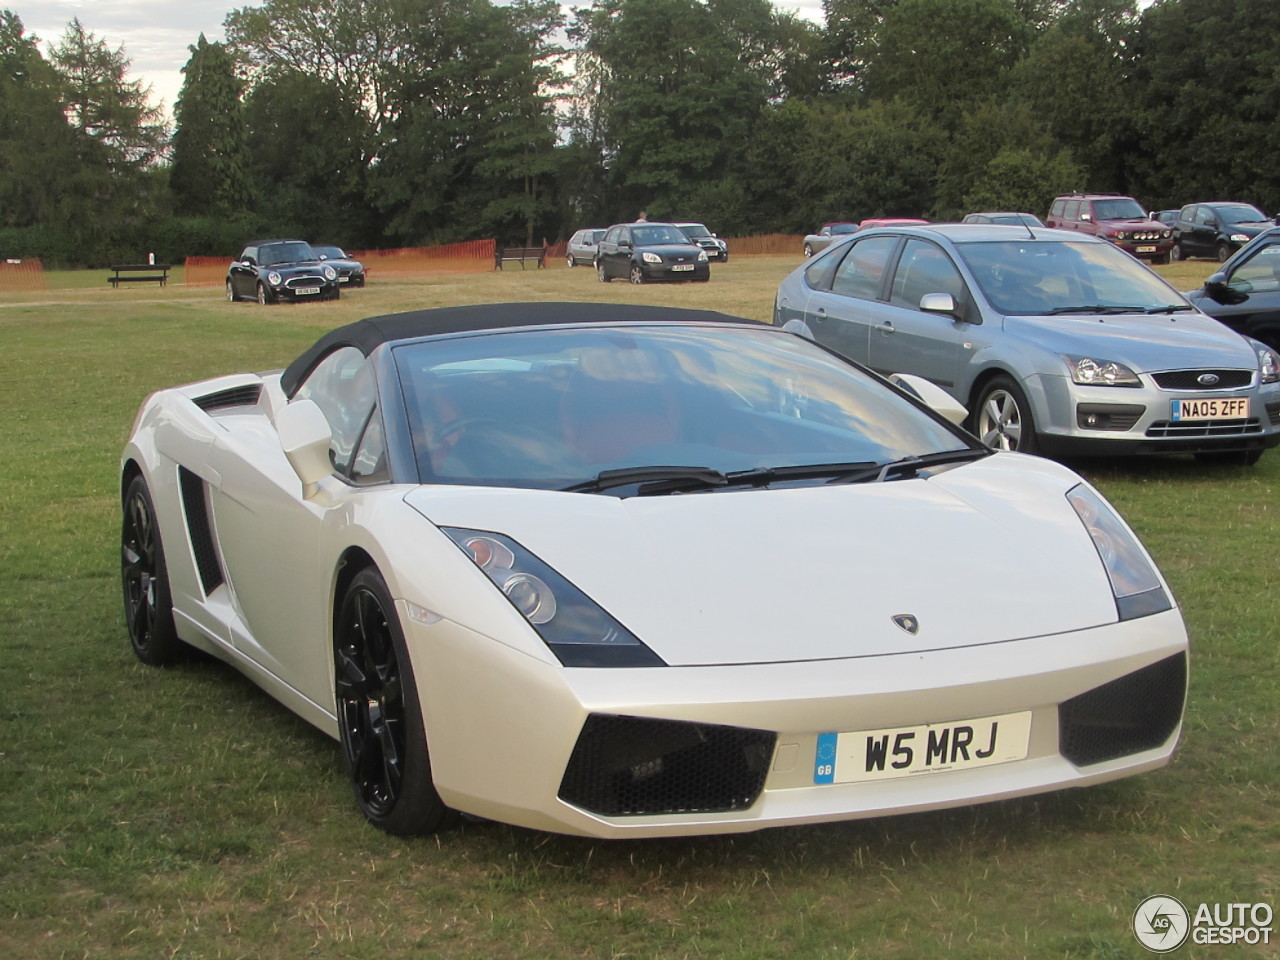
231 292
264 298
637 275
1002 418
600 274
148 607
384 745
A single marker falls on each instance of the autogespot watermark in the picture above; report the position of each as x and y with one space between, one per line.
1162 924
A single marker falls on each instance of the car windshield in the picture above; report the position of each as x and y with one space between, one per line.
1045 277
553 409
657 233
291 252
329 253
692 230
1121 208
1240 213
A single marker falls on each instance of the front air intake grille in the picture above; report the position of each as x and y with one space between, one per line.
246 396
199 530
1194 379
636 766
1204 428
1138 712
1273 413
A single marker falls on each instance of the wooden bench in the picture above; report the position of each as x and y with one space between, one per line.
537 255
139 273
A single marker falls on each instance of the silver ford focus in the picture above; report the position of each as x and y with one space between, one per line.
1057 343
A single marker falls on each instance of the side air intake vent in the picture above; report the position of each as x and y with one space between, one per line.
1137 712
246 396
198 528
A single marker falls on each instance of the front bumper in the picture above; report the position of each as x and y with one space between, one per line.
1075 420
662 272
504 730
296 289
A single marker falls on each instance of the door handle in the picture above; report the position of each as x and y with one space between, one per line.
821 314
887 328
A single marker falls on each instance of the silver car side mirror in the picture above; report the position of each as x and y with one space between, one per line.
305 437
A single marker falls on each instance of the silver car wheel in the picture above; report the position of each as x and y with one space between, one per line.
637 275
1000 421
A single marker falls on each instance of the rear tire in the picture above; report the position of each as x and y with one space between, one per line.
570 261
808 251
384 743
600 274
1002 417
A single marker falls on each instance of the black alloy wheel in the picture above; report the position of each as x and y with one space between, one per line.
384 745
148 608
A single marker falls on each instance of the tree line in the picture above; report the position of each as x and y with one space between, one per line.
390 123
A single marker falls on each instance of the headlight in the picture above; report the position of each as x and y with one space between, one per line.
650 257
273 278
1167 234
702 256
1239 238
1268 367
1134 582
1092 372
329 272
578 631
1120 237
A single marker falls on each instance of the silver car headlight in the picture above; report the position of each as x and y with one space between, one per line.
273 278
1268 367
650 257
578 631
329 272
702 256
1134 582
1090 371
1239 238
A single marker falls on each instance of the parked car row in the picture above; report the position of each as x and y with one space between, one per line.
271 271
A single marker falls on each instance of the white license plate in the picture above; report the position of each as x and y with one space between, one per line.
682 266
1146 249
303 291
932 748
1220 408
344 279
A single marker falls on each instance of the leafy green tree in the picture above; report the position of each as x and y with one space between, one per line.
1206 97
209 175
38 159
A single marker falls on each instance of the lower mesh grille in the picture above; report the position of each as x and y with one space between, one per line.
633 766
1204 428
1137 712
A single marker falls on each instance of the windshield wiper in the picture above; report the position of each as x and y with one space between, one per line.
652 479
1103 308
1171 308
908 467
762 476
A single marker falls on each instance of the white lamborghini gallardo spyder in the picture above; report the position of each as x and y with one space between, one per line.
627 571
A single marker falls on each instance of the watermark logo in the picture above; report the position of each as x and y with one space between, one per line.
1161 924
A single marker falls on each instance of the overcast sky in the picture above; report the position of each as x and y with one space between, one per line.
155 34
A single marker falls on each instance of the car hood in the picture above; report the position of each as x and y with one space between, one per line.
296 265
671 249
1145 343
980 554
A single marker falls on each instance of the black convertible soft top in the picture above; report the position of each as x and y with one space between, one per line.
366 335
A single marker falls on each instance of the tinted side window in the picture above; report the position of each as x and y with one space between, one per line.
1071 210
861 271
925 268
1058 206
342 386
1205 216
1260 273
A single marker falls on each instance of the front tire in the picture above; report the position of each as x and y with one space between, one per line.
148 605
637 275
1224 252
231 292
1002 418
384 743
263 297
1177 253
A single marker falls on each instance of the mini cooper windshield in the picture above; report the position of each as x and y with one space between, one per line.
1040 278
657 409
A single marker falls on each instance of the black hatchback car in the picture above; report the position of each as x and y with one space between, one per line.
272 270
643 251
1216 229
1245 293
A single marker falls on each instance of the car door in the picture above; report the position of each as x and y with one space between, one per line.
269 536
1249 301
613 260
844 291
243 277
1204 232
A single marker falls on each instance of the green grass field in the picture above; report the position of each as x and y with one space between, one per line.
181 813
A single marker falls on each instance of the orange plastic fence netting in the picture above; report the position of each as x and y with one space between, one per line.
205 271
27 274
768 243
470 257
